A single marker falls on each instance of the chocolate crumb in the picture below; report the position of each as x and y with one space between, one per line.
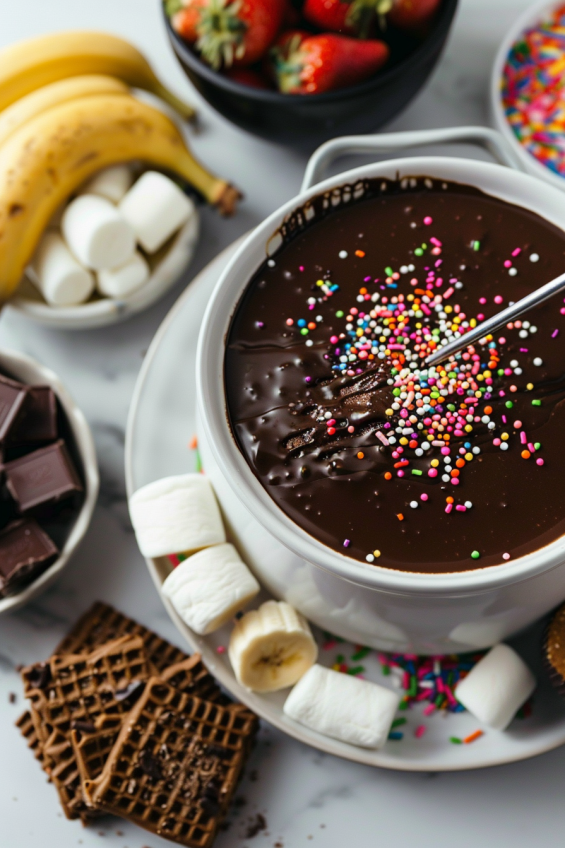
12 697
256 825
253 775
240 801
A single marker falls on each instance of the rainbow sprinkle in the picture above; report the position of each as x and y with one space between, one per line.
533 91
438 415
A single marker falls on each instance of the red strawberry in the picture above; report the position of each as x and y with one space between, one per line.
232 33
246 76
351 16
321 63
329 15
413 14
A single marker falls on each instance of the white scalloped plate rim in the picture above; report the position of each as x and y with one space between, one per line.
433 752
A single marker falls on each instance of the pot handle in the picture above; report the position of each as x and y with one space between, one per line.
485 137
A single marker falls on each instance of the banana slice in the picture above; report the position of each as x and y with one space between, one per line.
271 647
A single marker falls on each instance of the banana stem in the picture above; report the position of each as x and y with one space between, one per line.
183 109
216 191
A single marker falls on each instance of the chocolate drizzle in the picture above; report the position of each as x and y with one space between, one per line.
281 386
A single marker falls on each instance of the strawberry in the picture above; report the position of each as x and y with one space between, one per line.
318 63
246 76
329 15
413 14
228 33
350 16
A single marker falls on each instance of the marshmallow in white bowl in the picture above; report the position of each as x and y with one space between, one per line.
496 687
125 280
56 273
209 588
111 183
155 207
176 515
96 233
343 707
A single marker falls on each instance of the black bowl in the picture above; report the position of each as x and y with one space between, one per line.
307 120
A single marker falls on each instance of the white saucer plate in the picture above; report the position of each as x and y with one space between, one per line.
160 428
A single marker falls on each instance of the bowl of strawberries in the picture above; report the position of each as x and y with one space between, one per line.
301 71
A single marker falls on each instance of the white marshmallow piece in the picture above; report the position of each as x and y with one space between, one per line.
496 687
125 280
111 183
209 588
176 515
96 233
155 207
56 273
343 707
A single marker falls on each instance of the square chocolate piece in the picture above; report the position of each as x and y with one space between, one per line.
25 551
43 477
37 420
12 398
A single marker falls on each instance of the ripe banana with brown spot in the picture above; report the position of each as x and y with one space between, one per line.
54 94
50 156
36 62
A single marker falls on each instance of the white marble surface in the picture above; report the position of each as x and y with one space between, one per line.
306 797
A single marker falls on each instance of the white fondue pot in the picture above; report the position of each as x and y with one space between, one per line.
368 604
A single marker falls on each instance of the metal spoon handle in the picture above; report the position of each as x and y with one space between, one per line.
533 299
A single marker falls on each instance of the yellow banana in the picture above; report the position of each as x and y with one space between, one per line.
43 162
16 115
36 62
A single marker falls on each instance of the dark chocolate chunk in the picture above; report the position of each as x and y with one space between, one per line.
37 419
25 551
39 676
131 692
43 477
150 765
12 398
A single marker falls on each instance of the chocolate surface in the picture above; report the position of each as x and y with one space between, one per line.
43 477
354 440
12 398
25 552
37 420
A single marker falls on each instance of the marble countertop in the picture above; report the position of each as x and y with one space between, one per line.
306 797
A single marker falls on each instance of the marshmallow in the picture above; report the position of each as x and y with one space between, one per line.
176 515
496 687
111 183
122 281
96 233
155 207
343 707
209 588
56 273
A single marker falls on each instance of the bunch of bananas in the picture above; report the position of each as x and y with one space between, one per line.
66 112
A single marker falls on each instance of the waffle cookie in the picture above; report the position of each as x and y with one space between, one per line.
92 745
86 696
175 765
75 689
27 729
102 623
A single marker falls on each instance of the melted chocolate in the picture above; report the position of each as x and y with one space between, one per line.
281 384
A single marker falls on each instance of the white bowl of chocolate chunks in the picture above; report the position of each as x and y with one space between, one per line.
48 478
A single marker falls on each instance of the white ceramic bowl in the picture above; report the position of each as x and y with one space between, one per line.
532 16
28 371
166 267
369 604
